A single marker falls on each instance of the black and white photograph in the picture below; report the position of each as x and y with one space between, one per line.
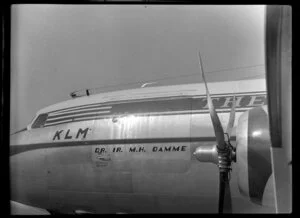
150 109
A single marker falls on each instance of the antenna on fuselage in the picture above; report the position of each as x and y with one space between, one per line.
145 84
77 93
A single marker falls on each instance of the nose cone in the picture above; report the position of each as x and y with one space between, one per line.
28 173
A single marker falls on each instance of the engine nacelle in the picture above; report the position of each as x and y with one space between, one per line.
253 156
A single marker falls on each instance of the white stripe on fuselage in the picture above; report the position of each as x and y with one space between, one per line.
77 115
85 108
58 122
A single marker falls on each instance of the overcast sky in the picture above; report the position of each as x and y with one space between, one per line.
56 49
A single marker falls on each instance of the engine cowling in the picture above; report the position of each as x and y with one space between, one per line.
253 156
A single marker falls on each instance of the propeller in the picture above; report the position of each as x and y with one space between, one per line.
231 118
224 149
213 114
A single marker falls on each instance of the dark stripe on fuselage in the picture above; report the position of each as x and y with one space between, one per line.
94 105
158 106
103 116
16 149
259 155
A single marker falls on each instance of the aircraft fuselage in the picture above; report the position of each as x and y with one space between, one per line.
129 155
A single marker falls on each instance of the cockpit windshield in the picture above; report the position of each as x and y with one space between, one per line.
39 121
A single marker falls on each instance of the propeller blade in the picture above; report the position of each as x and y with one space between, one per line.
219 133
231 119
225 202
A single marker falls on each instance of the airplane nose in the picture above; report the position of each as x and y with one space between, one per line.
28 177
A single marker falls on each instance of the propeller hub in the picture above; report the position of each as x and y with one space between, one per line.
225 159
213 154
207 153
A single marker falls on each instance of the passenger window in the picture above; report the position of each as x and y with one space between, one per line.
40 121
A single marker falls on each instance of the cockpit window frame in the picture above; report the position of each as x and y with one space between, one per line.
40 121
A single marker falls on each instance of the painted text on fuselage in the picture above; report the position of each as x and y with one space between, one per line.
65 134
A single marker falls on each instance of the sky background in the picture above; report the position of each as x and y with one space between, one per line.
57 49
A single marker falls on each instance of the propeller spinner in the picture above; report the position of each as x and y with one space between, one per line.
222 153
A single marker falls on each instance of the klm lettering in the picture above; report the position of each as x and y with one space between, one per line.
62 134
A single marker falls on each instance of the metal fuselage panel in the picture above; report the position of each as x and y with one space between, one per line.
124 177
137 157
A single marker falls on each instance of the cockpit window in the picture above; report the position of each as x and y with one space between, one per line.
40 121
